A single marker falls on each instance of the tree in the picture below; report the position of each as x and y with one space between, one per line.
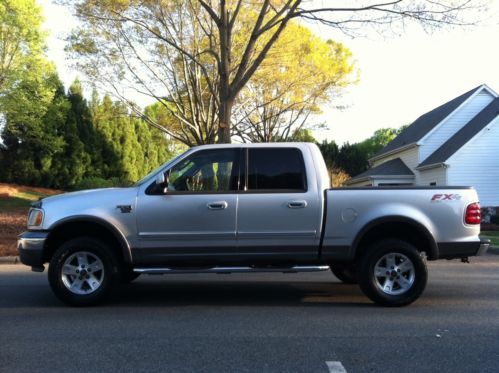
353 159
31 134
330 151
21 40
122 55
128 147
23 67
300 73
379 140
124 40
28 83
338 177
303 135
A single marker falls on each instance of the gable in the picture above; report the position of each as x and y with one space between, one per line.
437 175
394 169
454 123
425 123
464 135
409 156
475 164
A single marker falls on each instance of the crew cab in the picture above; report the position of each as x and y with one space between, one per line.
249 208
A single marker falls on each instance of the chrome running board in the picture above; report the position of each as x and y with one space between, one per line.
223 270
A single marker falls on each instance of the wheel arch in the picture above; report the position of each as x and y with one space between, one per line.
400 227
76 226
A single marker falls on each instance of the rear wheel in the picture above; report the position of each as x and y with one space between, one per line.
345 273
82 271
393 273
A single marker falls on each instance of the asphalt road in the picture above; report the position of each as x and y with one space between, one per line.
254 323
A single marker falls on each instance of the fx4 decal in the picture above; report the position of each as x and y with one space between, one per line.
445 197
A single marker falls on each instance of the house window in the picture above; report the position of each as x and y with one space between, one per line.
433 183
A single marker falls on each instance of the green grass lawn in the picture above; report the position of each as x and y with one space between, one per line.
492 236
20 200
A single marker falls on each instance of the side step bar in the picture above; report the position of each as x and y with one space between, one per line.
223 270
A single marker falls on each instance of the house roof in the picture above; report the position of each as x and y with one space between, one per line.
395 167
460 138
425 123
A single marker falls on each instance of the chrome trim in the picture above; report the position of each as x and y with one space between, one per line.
31 239
293 269
297 204
278 234
191 235
218 205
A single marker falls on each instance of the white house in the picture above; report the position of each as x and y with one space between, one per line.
455 144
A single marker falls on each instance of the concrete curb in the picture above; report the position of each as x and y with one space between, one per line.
9 260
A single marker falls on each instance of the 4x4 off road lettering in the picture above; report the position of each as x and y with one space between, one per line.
446 197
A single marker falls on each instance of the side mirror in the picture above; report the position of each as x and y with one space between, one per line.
162 181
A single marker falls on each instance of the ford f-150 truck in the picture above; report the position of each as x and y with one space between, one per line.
249 208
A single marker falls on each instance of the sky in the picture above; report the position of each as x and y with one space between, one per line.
401 77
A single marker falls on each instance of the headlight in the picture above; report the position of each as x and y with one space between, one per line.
35 218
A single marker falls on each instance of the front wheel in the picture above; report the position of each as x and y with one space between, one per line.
82 271
393 273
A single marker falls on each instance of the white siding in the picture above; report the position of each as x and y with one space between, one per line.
436 175
378 182
410 157
477 164
454 123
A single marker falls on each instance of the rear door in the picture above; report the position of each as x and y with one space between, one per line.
279 206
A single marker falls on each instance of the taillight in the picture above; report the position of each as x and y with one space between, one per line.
473 214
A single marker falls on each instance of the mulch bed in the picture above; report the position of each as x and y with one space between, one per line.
12 223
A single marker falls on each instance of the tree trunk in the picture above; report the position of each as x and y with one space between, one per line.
224 125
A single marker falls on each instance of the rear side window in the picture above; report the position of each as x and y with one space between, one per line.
276 169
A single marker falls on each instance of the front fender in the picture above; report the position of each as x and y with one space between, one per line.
88 221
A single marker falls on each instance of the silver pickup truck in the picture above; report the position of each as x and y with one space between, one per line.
249 208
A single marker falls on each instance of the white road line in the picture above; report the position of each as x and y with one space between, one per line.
335 367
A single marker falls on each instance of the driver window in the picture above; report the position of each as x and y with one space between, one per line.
206 171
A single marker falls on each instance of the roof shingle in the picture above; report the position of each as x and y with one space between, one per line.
395 167
425 123
465 134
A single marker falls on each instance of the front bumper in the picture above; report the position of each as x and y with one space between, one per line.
30 248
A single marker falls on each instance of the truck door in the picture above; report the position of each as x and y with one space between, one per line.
196 218
279 208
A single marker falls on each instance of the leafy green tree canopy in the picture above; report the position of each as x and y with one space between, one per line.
21 40
218 45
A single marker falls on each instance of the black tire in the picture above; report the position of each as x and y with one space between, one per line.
397 286
79 284
345 273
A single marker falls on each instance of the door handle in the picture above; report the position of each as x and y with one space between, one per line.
297 204
219 205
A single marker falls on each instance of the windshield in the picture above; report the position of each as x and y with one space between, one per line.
156 170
